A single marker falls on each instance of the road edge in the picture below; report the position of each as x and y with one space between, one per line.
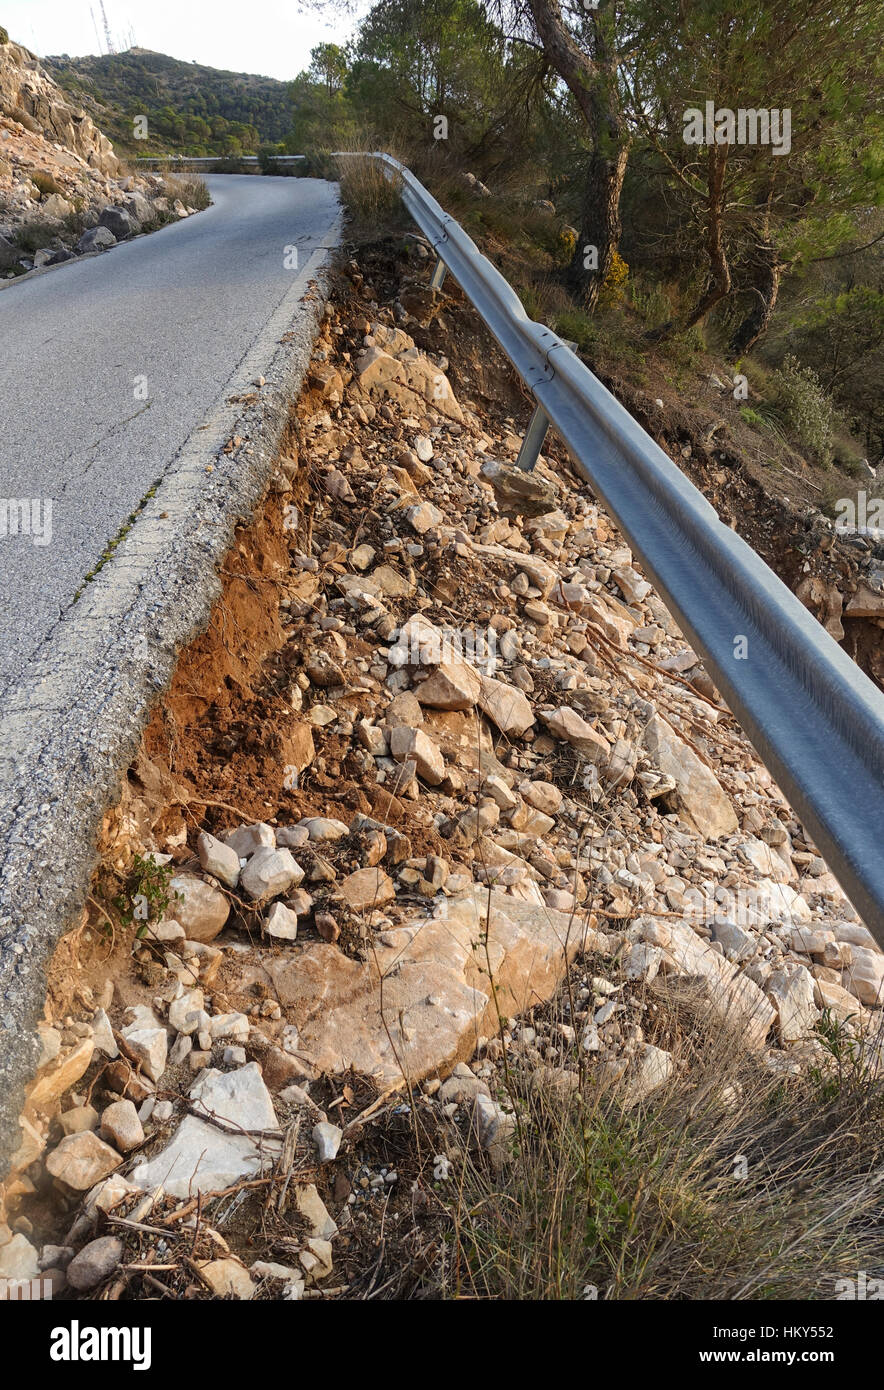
70 728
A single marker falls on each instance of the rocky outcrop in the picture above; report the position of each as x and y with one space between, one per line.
30 97
418 1005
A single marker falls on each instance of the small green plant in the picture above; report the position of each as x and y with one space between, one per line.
653 303
542 230
769 417
148 894
847 459
751 416
120 536
848 1063
578 327
34 234
688 347
493 215
74 223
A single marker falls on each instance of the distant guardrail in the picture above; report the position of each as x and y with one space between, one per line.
205 159
815 719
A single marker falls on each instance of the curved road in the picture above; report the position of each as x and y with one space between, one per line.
108 365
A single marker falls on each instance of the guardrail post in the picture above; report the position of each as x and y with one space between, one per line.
532 444
438 274
535 434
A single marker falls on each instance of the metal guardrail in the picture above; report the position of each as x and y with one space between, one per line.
815 719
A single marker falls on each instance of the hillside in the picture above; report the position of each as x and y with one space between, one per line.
188 106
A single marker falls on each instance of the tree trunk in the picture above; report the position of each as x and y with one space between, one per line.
593 84
719 283
767 272
599 224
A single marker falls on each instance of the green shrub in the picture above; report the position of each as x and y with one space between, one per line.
845 455
491 215
807 408
34 234
543 230
851 465
688 346
74 223
576 326
268 165
229 164
652 303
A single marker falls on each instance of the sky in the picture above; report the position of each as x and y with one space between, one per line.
269 37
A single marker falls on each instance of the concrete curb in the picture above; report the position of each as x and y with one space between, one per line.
71 727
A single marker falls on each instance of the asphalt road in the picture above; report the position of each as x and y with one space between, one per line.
109 364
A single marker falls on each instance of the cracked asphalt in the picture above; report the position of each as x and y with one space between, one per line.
108 366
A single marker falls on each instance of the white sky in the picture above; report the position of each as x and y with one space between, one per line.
260 36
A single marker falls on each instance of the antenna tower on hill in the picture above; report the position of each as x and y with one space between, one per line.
107 30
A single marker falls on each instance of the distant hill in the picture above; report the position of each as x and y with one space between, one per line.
195 109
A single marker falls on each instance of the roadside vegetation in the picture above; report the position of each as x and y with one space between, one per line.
572 120
767 264
189 189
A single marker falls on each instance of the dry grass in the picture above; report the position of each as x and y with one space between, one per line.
370 192
190 188
730 1182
